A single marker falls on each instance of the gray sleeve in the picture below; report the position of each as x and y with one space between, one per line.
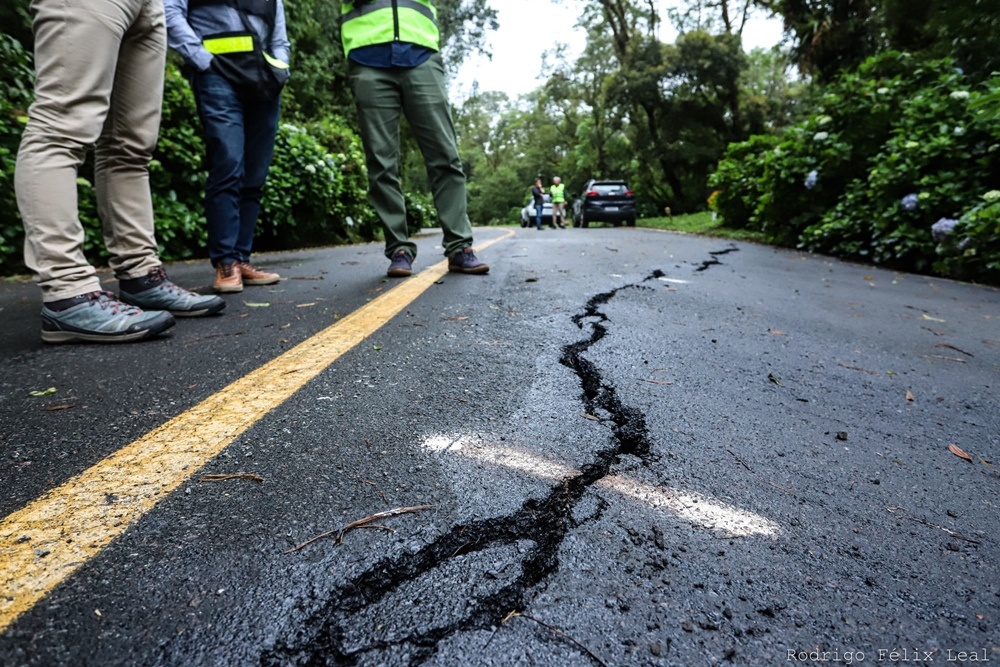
181 36
280 47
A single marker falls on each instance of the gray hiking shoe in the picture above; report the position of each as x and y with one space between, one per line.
155 292
99 317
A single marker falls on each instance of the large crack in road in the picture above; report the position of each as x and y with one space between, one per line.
544 523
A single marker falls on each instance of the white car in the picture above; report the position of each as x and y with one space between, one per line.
528 212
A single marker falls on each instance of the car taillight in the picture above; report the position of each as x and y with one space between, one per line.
593 193
629 193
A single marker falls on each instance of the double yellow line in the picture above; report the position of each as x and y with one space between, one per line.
47 541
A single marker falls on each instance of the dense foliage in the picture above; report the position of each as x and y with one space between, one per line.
889 150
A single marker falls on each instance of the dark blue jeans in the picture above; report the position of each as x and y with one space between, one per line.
538 214
239 143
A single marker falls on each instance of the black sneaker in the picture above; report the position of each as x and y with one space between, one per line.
401 266
465 261
99 317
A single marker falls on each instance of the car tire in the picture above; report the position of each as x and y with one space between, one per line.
583 221
524 223
630 222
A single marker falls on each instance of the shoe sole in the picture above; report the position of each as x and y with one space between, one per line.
399 273
211 310
261 281
226 289
56 337
476 271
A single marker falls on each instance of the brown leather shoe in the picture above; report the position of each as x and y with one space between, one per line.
228 278
254 276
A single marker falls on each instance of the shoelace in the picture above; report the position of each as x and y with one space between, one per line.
164 282
108 300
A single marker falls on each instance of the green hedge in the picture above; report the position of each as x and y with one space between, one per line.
316 192
888 151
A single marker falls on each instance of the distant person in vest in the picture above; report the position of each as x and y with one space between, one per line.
98 84
558 192
236 53
395 68
538 198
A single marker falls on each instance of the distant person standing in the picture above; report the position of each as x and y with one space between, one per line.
395 69
538 195
98 83
558 192
236 52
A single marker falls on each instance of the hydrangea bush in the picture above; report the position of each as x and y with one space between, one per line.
889 151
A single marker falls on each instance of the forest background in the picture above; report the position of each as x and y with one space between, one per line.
871 133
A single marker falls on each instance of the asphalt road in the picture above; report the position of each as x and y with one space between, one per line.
630 448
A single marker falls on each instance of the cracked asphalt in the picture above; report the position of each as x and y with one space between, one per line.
639 448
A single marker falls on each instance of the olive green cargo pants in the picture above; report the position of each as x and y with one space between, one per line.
419 93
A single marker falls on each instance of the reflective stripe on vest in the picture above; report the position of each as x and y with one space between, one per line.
218 46
383 21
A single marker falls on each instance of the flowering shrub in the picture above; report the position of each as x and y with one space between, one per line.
970 247
889 151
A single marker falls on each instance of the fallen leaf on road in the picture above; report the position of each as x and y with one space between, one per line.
909 396
772 378
251 304
457 318
53 408
590 417
932 319
957 451
775 332
43 392
306 305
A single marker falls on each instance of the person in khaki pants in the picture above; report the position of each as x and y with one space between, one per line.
99 68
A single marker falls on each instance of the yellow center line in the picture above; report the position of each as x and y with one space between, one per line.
48 540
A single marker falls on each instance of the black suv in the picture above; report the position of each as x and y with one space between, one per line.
605 201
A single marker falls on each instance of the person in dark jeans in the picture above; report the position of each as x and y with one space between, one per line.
538 193
239 125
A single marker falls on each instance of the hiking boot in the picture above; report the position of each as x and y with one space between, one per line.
251 275
465 261
99 317
154 291
228 279
401 265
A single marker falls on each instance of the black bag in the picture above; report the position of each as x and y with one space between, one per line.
254 74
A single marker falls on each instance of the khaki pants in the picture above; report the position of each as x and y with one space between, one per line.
99 82
559 212
382 96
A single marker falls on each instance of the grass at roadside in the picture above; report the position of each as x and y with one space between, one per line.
700 223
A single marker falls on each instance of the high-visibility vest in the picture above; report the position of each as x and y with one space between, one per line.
382 21
558 193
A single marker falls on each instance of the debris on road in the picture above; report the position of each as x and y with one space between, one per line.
957 451
361 523
240 475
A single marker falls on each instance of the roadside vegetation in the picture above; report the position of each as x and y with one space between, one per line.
871 133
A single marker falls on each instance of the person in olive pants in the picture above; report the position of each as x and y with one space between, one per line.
395 69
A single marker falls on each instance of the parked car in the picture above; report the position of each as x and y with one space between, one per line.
605 200
528 212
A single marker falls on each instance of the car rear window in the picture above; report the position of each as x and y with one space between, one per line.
610 188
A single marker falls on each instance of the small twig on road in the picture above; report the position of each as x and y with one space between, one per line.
210 336
360 523
859 368
240 475
957 349
901 513
54 408
517 614
655 381
938 356
384 499
735 456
